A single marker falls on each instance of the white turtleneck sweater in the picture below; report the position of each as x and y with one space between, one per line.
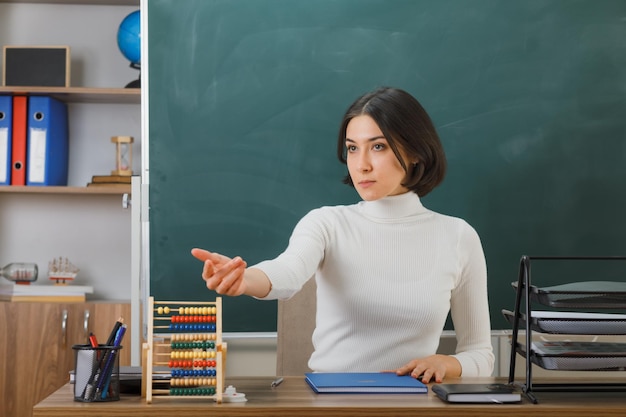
388 272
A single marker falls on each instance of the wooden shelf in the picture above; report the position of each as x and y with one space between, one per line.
64 190
81 94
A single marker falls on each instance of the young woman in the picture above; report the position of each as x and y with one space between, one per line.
388 270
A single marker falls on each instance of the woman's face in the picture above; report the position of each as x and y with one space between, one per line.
373 167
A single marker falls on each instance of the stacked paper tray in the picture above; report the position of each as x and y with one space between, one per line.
580 356
587 294
561 322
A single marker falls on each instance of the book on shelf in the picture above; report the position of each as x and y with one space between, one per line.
109 179
368 382
477 393
109 185
44 298
44 293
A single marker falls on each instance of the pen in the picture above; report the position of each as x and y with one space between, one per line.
277 382
94 380
108 369
94 344
93 341
116 327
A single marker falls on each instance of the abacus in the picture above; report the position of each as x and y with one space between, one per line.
186 352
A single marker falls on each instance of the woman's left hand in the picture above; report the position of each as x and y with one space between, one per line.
435 367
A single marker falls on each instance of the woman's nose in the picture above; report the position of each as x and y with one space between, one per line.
364 163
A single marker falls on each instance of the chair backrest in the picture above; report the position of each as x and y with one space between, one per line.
296 322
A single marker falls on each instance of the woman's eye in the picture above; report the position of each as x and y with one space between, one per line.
351 148
379 147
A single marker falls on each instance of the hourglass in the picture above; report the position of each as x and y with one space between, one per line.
123 155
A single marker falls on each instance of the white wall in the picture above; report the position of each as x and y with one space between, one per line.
90 31
251 356
92 231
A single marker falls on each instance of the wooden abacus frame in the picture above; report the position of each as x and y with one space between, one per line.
163 344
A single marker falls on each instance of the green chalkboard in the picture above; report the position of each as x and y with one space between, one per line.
245 97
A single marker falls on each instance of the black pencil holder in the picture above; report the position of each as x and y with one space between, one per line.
97 373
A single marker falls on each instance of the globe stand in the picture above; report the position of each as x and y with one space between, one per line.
135 83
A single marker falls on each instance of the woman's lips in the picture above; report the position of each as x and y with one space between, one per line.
366 183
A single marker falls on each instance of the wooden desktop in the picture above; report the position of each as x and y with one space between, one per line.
293 397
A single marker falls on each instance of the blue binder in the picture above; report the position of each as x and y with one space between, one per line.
48 141
6 137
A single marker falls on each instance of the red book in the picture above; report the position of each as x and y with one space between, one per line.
18 154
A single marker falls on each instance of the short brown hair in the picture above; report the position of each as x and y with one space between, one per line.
409 132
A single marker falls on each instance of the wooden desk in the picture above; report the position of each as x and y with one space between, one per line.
294 398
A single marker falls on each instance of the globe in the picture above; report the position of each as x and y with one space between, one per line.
129 38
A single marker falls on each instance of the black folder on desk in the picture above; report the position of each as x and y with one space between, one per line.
477 393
